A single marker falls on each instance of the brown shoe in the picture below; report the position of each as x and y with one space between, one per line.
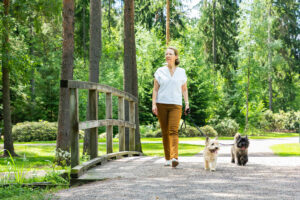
174 162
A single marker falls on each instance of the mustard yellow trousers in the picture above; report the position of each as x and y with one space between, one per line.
169 116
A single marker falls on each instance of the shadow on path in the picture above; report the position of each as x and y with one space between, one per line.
147 178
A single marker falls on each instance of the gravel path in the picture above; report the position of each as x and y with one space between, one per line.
266 176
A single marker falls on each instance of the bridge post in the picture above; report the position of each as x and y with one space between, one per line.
121 116
132 130
74 127
109 128
93 115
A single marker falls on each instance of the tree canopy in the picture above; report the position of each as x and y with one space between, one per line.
218 49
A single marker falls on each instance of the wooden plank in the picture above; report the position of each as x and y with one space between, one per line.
92 124
79 170
98 123
121 128
131 130
109 128
74 129
93 115
98 87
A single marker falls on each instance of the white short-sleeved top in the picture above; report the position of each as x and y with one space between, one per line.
170 91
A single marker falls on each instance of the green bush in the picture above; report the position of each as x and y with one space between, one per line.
292 120
227 127
34 131
209 131
156 133
191 131
187 131
282 121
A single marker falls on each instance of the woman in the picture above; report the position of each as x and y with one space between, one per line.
170 83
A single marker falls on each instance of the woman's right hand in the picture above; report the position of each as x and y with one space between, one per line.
154 109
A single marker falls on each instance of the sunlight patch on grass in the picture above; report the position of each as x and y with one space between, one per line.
40 157
156 149
286 149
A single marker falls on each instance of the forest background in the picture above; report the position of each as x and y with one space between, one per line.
241 58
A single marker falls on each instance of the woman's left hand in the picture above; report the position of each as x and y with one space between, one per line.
187 109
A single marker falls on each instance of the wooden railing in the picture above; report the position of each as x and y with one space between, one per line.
93 123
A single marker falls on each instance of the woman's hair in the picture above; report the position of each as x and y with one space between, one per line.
176 54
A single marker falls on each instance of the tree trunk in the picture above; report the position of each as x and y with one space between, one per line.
8 141
84 35
214 48
63 136
32 80
109 9
168 23
130 68
270 64
248 85
247 95
95 56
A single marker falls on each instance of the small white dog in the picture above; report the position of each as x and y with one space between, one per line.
210 154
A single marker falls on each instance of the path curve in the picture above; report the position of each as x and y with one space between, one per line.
266 176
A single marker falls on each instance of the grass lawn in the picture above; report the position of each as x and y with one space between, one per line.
156 149
39 157
286 149
264 135
33 158
16 192
54 142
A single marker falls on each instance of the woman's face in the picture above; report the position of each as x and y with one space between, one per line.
170 56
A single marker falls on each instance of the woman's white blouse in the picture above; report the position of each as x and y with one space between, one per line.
170 87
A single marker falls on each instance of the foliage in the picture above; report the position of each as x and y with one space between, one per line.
64 157
17 192
191 131
150 131
216 90
18 173
225 127
209 131
280 121
35 131
55 177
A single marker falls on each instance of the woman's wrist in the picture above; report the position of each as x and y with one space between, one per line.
186 103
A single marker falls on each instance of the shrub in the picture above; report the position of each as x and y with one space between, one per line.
209 131
227 127
281 121
103 135
292 120
151 130
34 131
189 131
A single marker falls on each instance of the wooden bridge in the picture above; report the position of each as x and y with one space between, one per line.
93 123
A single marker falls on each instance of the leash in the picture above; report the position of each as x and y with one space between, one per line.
187 113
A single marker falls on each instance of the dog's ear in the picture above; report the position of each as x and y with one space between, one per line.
207 140
237 135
